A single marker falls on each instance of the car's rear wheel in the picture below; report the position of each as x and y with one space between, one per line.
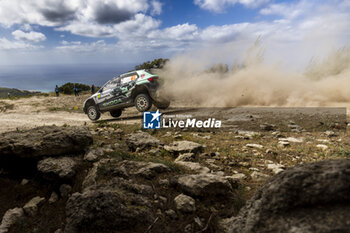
116 113
93 113
143 102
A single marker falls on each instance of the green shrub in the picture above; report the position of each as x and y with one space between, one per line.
68 88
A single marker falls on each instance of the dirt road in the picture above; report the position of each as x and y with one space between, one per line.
24 113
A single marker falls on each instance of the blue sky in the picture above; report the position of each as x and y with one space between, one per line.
127 32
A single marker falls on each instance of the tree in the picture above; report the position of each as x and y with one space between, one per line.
155 64
67 88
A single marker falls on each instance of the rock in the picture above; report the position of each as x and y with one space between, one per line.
91 176
188 228
295 128
185 203
253 169
330 133
184 147
326 141
291 139
248 134
107 148
141 140
93 154
258 176
164 182
53 198
125 168
312 197
275 168
171 213
258 146
167 134
177 136
154 151
163 201
61 167
236 177
31 208
65 190
322 146
10 217
149 170
119 205
283 143
267 127
244 164
186 157
196 167
198 222
24 182
45 141
204 185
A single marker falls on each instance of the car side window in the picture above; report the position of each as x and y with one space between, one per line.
112 83
129 78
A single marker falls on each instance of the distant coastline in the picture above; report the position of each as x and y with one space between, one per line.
44 78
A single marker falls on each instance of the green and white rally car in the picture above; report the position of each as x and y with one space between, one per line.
138 88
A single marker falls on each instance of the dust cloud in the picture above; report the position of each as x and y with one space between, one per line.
255 82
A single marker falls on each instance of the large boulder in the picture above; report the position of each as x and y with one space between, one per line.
179 147
141 140
57 167
45 141
196 167
109 168
204 185
307 198
118 206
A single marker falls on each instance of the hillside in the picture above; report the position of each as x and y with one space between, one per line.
60 172
14 92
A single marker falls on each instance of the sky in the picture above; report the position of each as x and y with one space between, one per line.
127 32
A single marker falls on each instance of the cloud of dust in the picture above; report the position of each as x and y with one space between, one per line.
189 81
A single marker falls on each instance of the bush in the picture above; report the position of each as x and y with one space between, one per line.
68 88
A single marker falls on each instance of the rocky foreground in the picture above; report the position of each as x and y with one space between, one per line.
109 179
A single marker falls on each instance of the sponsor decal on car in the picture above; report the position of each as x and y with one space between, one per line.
112 102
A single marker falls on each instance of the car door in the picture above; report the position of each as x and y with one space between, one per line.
106 93
128 82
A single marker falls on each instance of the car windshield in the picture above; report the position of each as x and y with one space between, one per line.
112 83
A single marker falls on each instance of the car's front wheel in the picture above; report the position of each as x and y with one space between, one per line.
143 102
93 113
116 113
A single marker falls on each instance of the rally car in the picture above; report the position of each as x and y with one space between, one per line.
138 88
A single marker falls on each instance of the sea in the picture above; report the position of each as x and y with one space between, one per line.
44 78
